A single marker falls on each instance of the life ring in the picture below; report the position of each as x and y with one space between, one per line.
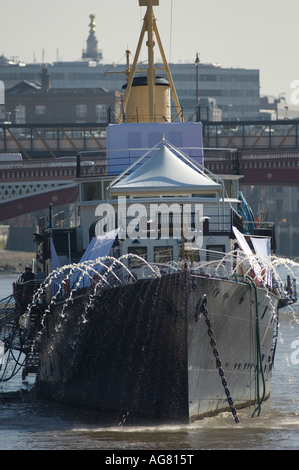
244 223
24 294
264 275
95 280
254 277
14 289
67 286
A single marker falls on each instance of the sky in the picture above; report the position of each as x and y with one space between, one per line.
257 34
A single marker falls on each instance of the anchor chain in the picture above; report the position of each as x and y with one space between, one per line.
202 308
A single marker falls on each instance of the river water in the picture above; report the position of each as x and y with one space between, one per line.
26 424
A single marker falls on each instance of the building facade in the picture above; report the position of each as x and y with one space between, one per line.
38 103
222 93
233 91
280 204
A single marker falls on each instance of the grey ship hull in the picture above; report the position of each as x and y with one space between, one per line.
144 348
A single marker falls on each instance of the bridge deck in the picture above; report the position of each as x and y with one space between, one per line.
267 153
56 140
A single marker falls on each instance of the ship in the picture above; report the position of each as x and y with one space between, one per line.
171 312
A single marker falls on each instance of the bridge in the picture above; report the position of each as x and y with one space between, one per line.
36 141
30 185
267 152
266 167
56 140
252 135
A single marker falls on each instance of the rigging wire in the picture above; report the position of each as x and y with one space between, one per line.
170 37
114 64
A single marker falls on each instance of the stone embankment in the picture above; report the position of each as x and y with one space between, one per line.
15 261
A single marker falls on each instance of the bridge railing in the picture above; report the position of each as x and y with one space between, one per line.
252 134
51 140
68 139
53 169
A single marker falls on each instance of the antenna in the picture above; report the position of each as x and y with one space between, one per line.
197 61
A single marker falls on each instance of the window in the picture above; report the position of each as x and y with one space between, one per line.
214 252
91 191
81 111
279 205
2 113
2 92
40 110
163 254
20 114
134 140
176 138
101 113
139 251
154 138
190 255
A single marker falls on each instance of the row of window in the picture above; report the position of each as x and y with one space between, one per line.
222 77
271 164
81 112
280 189
164 254
8 175
255 165
85 76
225 93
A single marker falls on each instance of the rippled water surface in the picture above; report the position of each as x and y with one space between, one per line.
27 424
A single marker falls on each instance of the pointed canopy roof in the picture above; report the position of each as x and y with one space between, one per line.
165 173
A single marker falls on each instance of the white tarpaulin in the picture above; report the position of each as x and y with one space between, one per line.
127 142
242 242
99 246
55 263
262 247
247 250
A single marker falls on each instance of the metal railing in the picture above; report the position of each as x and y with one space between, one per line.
67 139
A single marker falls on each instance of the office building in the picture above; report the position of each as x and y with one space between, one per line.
223 93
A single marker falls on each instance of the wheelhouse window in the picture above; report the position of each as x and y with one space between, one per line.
2 113
101 113
189 254
215 252
40 110
81 112
91 191
139 251
163 254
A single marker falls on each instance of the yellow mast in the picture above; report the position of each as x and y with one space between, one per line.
151 73
150 26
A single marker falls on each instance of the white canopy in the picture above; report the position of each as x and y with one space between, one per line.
99 246
55 263
165 173
261 264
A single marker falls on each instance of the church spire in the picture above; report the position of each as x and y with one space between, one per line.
92 51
